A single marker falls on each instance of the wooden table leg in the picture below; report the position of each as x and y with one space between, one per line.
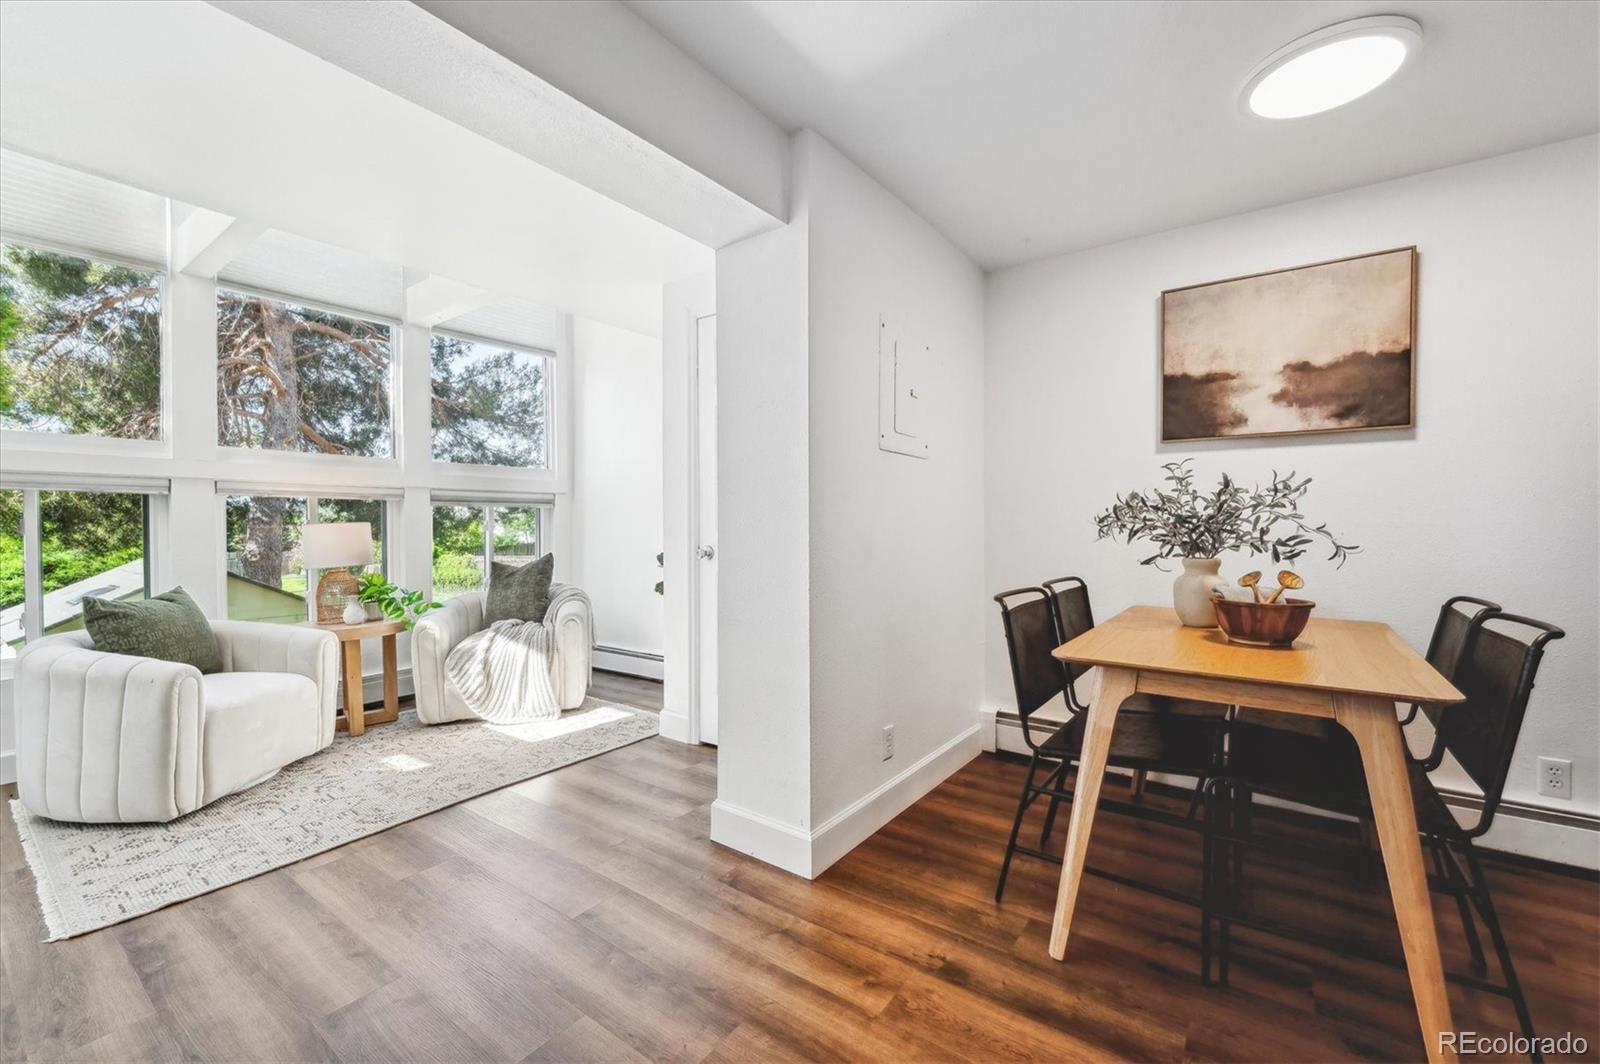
1377 733
391 679
1115 685
355 720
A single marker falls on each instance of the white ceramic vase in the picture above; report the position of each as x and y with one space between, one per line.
1191 592
354 612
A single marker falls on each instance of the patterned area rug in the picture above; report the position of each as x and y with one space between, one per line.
91 876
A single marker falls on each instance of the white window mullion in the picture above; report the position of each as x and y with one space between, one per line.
32 568
311 574
488 545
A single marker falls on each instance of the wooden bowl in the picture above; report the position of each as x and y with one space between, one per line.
1263 624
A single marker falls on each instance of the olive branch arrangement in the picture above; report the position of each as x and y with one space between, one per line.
1184 522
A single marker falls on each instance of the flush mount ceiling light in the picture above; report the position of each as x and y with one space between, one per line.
1330 67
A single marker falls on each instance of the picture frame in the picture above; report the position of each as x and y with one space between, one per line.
1325 347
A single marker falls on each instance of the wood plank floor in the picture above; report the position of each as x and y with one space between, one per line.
584 915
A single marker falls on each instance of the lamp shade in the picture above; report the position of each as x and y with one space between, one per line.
336 543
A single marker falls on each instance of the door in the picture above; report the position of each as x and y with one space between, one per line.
705 510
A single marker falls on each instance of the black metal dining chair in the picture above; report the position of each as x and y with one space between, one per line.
1074 614
1148 736
1492 658
1445 646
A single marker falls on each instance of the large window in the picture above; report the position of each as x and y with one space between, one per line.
489 403
295 378
267 575
459 549
82 345
468 538
516 534
90 543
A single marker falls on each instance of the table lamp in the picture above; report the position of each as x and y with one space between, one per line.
334 547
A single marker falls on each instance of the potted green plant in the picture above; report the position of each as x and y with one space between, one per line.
384 598
1181 521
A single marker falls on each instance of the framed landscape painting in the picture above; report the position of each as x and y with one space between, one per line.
1322 348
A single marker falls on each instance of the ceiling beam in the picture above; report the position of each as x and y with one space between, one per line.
204 241
432 300
632 117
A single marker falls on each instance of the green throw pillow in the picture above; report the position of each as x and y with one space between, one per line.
169 626
519 592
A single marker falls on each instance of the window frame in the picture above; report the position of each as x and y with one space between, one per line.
232 452
552 412
32 530
310 496
488 502
87 443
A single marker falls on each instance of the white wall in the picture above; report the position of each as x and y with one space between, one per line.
851 577
763 801
896 541
616 523
1493 493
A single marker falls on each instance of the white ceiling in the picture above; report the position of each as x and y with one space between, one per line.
228 117
1023 130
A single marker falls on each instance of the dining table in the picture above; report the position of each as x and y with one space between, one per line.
1349 671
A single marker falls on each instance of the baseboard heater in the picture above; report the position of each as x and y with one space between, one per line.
624 652
1461 801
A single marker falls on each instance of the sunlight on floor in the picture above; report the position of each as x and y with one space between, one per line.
539 730
405 763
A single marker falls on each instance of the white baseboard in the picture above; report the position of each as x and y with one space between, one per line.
856 822
372 686
987 726
1569 838
809 853
1536 831
778 844
630 662
675 726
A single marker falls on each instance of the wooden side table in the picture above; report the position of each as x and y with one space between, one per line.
356 715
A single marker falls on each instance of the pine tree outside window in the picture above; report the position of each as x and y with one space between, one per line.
490 403
81 343
292 377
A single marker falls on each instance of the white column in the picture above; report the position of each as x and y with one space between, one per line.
562 539
191 422
192 541
195 542
413 556
763 804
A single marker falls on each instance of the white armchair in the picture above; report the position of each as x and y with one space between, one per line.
438 631
108 738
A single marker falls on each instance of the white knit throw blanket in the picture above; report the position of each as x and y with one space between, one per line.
503 672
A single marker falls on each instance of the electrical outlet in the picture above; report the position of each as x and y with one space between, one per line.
888 741
1555 777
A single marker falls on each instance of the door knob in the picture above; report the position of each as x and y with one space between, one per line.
707 552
